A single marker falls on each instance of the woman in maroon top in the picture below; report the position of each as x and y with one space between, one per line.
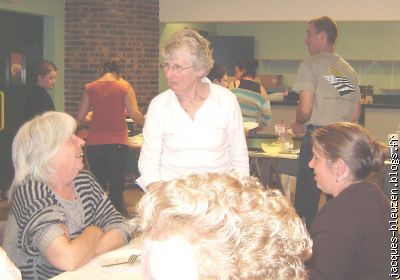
110 98
351 237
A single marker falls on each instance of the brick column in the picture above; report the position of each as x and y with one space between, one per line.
96 30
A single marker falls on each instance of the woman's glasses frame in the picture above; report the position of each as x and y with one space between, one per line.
176 68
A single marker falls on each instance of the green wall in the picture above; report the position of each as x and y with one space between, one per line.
373 48
53 41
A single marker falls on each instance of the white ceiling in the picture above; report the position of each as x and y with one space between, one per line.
277 10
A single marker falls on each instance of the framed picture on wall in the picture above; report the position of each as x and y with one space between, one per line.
16 69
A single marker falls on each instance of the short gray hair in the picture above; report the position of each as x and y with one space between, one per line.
35 145
198 46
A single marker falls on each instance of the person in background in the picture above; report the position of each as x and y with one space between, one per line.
60 218
254 107
110 97
219 226
218 75
328 92
43 76
245 74
195 126
351 236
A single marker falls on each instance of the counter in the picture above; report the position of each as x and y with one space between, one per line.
379 119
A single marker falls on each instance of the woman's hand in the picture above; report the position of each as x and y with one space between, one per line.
66 231
68 255
297 129
110 240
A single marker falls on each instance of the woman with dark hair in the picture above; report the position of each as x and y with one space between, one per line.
351 237
110 98
218 75
43 77
245 74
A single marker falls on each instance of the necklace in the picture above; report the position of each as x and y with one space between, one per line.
186 103
190 103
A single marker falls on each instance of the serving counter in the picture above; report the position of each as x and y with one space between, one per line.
379 119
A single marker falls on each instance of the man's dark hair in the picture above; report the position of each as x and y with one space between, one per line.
328 25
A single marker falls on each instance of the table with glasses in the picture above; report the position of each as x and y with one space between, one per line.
270 163
269 167
95 269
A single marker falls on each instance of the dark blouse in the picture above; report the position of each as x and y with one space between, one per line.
250 85
38 101
351 237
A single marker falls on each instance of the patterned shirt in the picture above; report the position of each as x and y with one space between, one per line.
36 213
335 86
254 106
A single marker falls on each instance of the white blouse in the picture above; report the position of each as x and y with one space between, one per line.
8 270
175 145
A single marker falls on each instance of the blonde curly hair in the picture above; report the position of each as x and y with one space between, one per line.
238 229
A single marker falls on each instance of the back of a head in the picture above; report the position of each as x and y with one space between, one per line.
327 25
217 72
237 229
197 45
113 65
353 144
40 68
36 143
248 66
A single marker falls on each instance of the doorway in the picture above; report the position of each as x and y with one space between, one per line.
22 44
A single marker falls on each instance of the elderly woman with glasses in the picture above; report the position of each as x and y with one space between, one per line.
195 126
60 218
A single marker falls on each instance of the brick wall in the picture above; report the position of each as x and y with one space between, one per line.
96 30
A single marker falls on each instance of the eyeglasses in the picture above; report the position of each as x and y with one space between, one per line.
176 68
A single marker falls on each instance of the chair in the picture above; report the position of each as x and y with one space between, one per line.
132 194
2 230
4 209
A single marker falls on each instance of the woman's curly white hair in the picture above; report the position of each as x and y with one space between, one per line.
238 229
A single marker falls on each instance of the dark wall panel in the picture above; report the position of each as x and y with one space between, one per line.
228 50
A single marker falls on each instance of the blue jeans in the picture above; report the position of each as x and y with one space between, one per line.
108 163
